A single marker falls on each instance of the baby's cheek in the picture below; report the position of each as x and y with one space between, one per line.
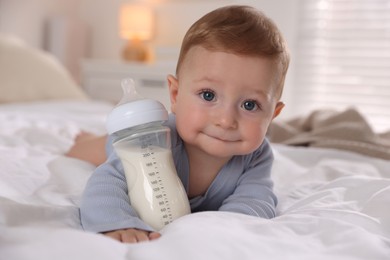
256 141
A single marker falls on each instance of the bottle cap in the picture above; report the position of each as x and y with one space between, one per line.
134 110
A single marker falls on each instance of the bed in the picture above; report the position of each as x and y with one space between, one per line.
333 203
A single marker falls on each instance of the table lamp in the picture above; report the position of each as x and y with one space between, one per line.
136 25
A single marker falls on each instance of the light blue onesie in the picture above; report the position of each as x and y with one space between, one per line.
243 185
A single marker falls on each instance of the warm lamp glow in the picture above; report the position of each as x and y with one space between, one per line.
136 21
136 26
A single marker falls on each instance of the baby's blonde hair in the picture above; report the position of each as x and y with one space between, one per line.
241 30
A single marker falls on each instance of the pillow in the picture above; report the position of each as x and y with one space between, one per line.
28 74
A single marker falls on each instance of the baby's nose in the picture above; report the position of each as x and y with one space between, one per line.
226 118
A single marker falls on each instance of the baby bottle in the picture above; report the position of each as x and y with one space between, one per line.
143 145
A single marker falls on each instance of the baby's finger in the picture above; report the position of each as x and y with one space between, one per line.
133 236
142 236
154 235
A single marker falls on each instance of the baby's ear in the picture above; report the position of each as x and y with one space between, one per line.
278 108
173 85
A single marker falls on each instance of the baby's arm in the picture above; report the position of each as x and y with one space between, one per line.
105 205
132 235
253 194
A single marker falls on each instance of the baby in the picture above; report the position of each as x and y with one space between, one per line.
229 80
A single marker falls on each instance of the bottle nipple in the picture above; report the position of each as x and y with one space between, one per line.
130 93
133 110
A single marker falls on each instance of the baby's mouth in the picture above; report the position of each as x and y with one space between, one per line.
223 138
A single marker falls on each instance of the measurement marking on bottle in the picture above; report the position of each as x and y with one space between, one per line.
158 187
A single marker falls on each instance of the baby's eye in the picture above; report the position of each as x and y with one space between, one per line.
207 95
250 105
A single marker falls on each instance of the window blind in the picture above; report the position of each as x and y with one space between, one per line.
343 58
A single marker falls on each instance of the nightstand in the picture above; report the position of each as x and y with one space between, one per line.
101 79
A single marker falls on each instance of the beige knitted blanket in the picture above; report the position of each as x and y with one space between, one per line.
346 130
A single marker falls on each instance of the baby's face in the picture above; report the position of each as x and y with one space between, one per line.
223 102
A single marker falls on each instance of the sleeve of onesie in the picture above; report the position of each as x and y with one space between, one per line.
105 205
253 194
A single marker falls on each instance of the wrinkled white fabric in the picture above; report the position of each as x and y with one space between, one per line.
332 204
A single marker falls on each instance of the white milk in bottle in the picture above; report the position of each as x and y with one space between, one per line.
143 145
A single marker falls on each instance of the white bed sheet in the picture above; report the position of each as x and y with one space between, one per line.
332 204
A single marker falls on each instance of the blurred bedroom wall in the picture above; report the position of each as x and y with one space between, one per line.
78 29
173 18
53 25
27 19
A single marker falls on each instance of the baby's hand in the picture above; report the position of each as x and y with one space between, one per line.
132 235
